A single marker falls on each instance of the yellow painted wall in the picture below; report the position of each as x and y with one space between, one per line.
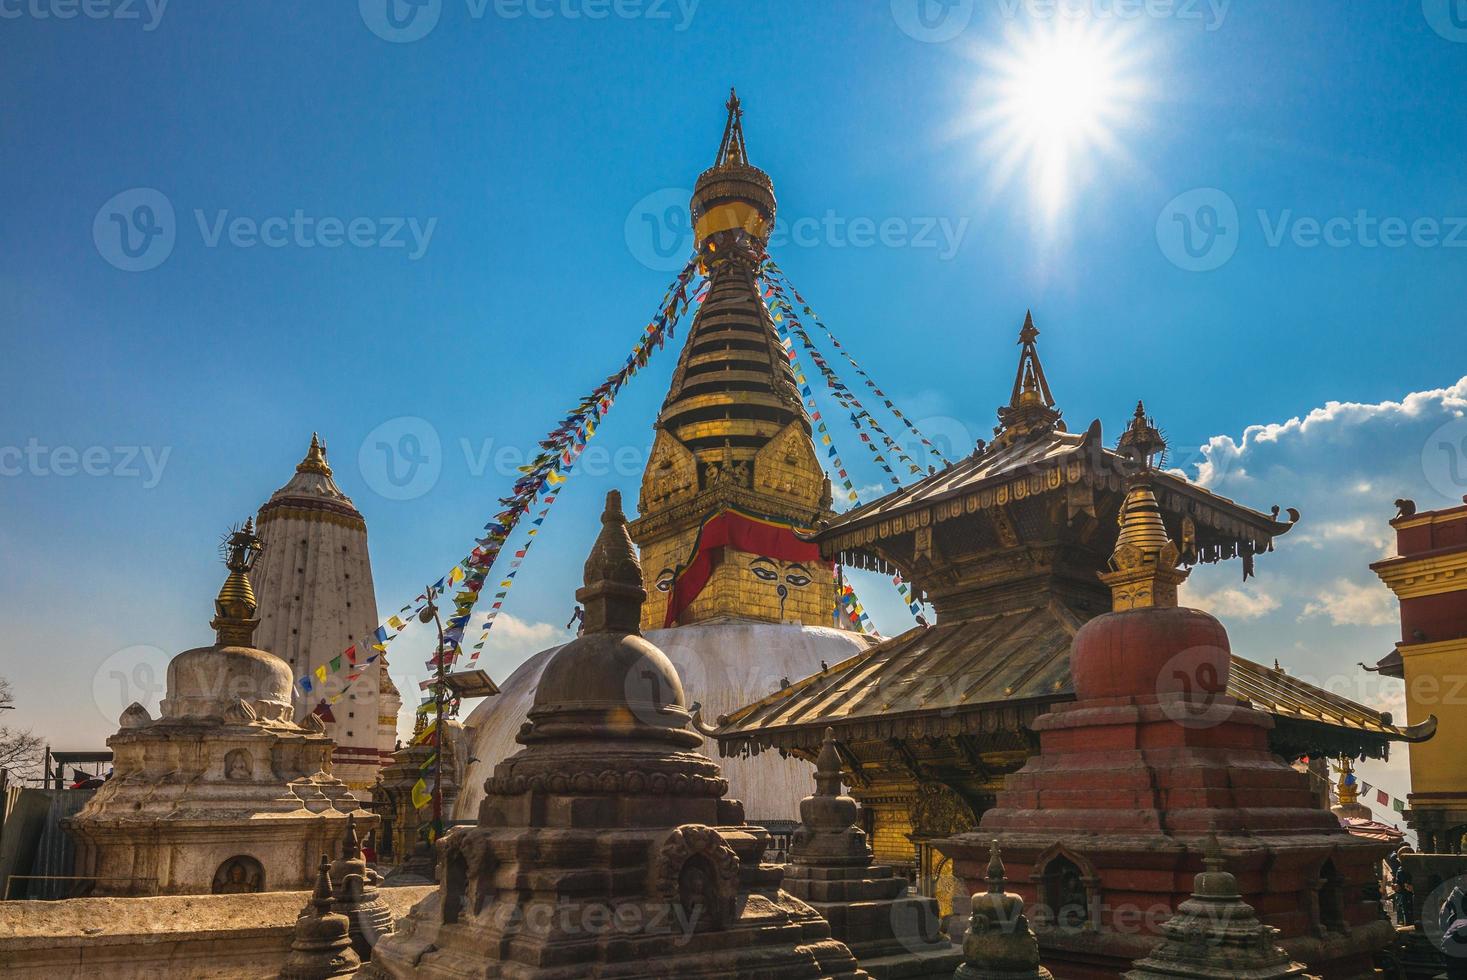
1436 684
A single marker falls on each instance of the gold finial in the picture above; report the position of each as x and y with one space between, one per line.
1349 792
1031 404
731 151
1144 569
234 608
1142 442
315 461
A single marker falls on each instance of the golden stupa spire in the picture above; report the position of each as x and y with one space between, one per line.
1031 405
315 461
1144 569
1348 788
234 608
732 151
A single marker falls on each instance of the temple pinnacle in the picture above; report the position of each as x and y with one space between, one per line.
315 461
1143 565
612 595
1031 404
234 608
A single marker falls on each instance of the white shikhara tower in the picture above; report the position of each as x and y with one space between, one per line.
314 585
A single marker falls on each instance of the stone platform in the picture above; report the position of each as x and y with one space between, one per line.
171 937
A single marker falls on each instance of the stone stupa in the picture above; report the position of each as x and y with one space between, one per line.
869 906
1215 935
223 793
605 847
1000 945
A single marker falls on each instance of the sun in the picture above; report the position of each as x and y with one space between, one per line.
1054 105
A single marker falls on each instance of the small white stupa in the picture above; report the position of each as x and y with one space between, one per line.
224 792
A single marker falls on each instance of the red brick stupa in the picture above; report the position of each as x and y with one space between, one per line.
1105 829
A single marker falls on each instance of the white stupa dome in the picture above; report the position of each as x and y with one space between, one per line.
724 665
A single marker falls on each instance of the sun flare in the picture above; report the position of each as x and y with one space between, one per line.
1053 103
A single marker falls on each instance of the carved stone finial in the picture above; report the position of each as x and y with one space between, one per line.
999 945
312 723
321 948
998 879
613 595
828 836
135 716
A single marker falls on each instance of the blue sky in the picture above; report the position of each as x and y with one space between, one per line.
521 160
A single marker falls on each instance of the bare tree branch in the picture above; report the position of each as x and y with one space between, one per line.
18 749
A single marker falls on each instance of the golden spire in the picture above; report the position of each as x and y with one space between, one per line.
1348 788
315 461
1144 564
732 151
1031 405
234 608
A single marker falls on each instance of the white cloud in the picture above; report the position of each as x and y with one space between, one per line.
512 633
1230 603
1315 604
1349 604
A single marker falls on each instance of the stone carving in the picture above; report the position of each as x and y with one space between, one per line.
699 871
1000 945
321 948
238 764
238 876
134 716
313 723
239 712
938 811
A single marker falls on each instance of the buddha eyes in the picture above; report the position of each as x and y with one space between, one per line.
765 570
664 580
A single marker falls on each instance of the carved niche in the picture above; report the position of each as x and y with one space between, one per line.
697 870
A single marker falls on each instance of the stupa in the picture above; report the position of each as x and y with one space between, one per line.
356 895
1109 823
224 792
316 599
870 908
606 847
1000 945
322 948
736 598
1215 935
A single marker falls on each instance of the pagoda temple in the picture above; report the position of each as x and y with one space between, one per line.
1008 545
738 597
316 599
